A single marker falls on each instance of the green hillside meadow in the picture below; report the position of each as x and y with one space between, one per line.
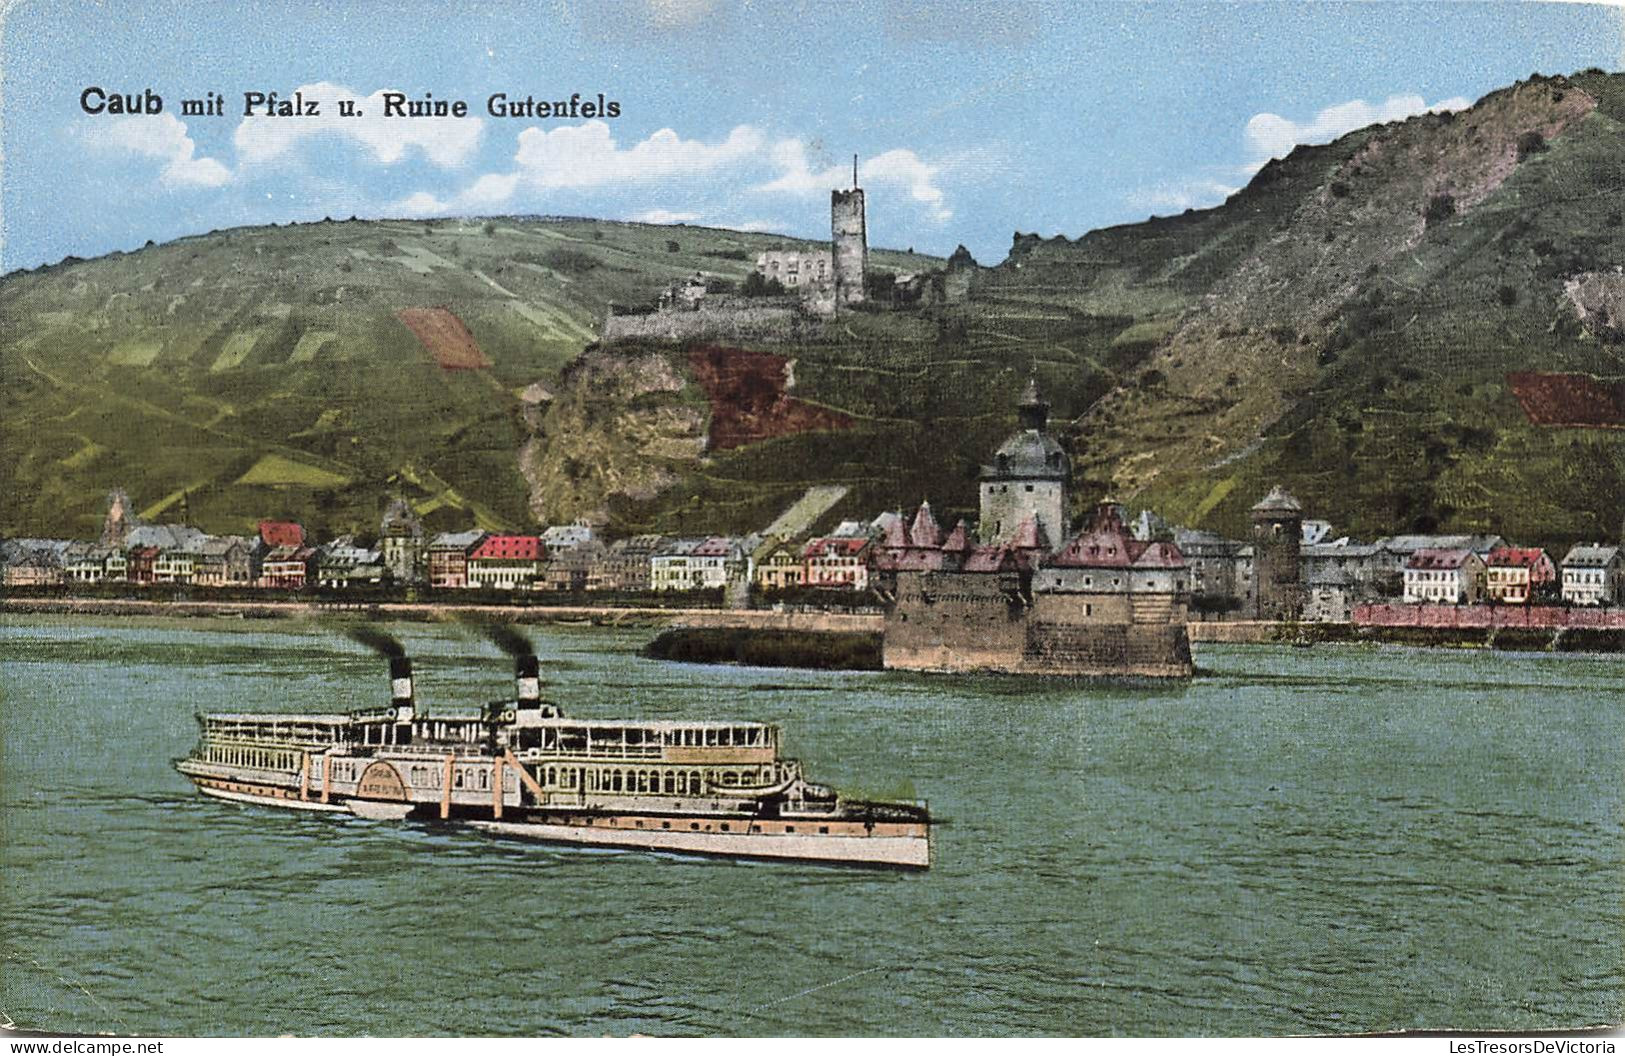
1344 326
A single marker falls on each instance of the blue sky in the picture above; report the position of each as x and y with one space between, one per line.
973 119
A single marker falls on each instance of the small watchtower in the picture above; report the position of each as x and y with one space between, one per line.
1277 542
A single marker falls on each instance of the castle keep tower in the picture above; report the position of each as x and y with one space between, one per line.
1277 539
1028 478
850 237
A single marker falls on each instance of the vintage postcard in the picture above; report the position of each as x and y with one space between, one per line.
734 519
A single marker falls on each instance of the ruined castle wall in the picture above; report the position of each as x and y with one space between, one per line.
737 323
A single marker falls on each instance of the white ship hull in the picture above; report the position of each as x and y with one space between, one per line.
908 852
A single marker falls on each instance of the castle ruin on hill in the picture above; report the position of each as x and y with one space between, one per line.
793 291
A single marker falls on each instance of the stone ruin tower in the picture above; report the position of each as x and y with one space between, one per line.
850 242
1277 540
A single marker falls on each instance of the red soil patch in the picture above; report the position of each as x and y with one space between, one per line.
1578 400
748 398
446 338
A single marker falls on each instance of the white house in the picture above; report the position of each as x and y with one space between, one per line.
1594 575
1444 577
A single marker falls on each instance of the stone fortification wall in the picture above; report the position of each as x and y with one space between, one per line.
775 321
946 621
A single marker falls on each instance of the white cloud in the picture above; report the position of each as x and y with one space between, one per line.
898 168
1273 136
587 155
420 204
663 216
446 141
1199 193
164 137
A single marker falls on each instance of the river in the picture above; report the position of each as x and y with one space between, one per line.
1326 840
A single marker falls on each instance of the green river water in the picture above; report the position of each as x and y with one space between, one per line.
1318 840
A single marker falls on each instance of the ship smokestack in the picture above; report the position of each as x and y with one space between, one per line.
527 673
400 687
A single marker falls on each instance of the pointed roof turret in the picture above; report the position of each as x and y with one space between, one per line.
958 540
926 531
895 533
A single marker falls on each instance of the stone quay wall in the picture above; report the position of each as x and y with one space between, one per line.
1487 616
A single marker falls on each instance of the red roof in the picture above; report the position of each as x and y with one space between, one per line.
958 540
991 559
1160 555
1029 536
1515 557
1099 549
508 547
281 533
835 547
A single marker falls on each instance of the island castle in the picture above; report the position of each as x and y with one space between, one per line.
1101 604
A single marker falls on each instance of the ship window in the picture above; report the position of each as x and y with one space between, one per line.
789 828
725 827
694 825
755 828
710 738
824 829
694 782
615 781
665 824
484 780
670 783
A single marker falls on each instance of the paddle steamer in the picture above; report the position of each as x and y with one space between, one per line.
522 768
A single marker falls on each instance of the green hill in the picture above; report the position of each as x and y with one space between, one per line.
268 371
1344 326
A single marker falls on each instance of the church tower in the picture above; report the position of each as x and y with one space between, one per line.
850 242
1028 479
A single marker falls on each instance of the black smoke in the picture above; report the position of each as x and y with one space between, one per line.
380 642
505 637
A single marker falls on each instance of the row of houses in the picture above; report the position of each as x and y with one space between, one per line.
1327 578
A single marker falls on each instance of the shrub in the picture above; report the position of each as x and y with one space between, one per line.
1441 207
756 285
571 261
1507 295
1530 143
